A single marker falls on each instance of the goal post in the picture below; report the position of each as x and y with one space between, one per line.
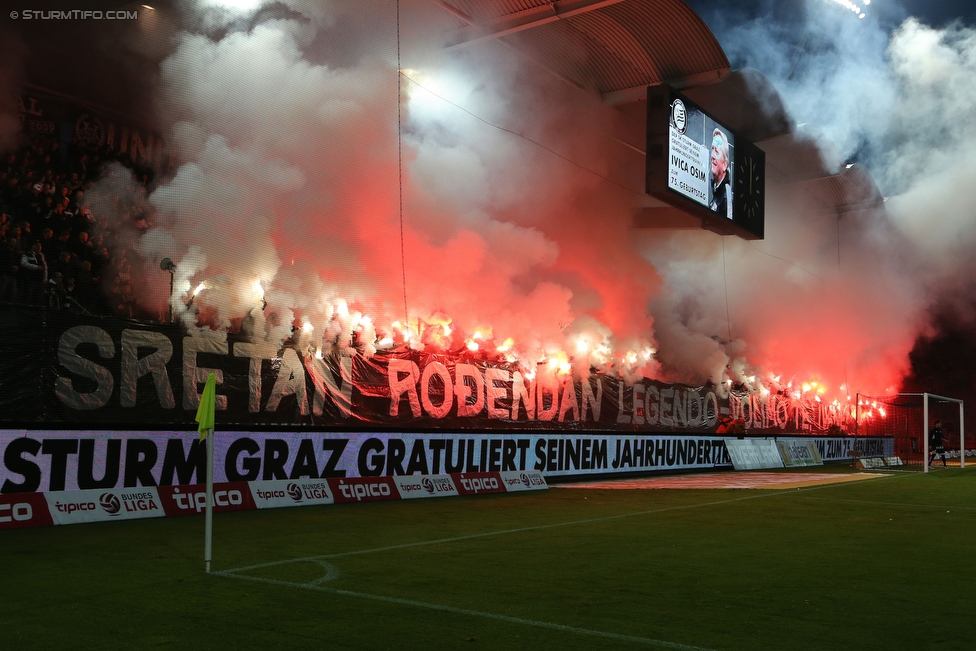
908 418
962 429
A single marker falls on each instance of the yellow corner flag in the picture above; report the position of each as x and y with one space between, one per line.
205 412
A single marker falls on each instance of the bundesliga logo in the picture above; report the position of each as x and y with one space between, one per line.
110 503
294 492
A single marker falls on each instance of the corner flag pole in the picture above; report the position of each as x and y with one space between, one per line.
208 526
205 420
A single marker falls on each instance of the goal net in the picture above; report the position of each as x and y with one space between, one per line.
909 418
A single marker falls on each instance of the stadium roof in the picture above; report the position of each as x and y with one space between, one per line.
614 49
617 48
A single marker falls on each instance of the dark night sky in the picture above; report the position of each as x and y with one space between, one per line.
114 63
890 12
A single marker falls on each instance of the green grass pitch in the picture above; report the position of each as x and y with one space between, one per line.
878 564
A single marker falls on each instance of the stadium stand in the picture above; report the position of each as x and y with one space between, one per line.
83 262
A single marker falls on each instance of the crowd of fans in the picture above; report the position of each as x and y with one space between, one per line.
58 248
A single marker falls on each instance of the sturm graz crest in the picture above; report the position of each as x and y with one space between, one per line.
679 115
89 130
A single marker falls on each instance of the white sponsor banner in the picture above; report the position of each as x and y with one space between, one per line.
300 492
799 452
871 463
50 461
530 480
752 454
413 486
851 447
193 499
101 505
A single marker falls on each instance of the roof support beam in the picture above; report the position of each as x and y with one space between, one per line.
451 9
637 93
520 21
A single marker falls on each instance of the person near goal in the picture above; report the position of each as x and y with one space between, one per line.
936 443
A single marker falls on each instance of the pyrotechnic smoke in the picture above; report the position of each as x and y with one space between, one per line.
932 133
286 134
288 194
849 294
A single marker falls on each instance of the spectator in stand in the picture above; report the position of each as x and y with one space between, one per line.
115 295
69 293
65 264
100 261
56 298
69 214
82 247
35 202
57 218
128 304
47 239
85 218
46 209
62 202
9 266
86 290
142 223
33 270
77 201
61 243
13 199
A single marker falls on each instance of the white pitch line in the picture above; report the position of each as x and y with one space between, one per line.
905 504
501 532
473 613
235 573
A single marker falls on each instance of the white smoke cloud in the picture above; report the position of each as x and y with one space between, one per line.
286 134
285 129
845 296
933 132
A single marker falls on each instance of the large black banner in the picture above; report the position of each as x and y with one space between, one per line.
61 368
70 121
